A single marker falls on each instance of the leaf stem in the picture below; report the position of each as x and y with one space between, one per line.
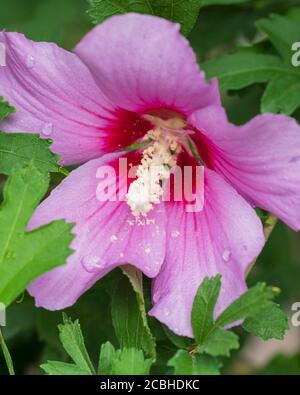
7 355
269 226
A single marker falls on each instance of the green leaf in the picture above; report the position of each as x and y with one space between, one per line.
26 255
283 91
246 67
5 109
221 342
129 314
184 12
63 368
73 342
107 356
187 364
250 303
282 94
128 361
271 323
203 307
131 361
283 32
242 69
263 317
19 149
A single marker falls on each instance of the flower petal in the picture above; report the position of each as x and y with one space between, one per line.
224 237
57 97
142 62
260 159
106 234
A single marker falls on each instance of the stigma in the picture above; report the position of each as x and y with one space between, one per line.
158 159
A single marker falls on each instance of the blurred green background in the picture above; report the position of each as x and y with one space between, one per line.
31 333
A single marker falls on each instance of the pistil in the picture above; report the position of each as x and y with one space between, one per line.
155 168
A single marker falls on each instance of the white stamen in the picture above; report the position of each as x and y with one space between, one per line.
155 168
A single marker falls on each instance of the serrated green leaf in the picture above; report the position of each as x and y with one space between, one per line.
282 94
131 361
62 368
282 32
271 323
184 12
5 109
187 364
107 356
20 149
73 342
250 303
221 342
242 69
26 255
203 307
211 338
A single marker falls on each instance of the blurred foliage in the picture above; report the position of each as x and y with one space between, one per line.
31 333
60 21
282 365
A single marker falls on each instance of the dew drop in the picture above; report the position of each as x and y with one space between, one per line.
147 250
175 233
47 129
30 61
226 255
91 263
113 238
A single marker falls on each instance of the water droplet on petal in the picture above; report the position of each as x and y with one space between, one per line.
113 238
226 255
47 129
92 263
175 233
121 255
147 250
30 61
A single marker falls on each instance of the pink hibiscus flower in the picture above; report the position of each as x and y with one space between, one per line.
135 78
